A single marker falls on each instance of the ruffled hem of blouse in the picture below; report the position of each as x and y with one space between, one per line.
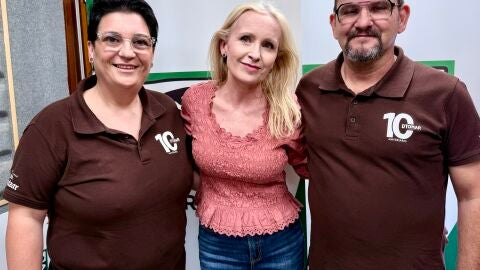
248 222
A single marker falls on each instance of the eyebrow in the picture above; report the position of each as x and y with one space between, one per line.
246 33
274 42
117 33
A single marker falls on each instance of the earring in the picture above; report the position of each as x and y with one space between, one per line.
91 65
224 58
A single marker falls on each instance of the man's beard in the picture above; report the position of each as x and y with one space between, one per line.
360 54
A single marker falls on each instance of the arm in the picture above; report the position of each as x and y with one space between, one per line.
187 123
298 160
466 182
24 239
196 180
297 153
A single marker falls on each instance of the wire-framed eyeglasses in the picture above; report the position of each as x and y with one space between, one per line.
114 41
378 10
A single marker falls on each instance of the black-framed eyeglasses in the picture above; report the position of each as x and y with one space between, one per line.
114 41
378 10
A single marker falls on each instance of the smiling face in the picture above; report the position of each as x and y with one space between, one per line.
125 68
367 39
251 48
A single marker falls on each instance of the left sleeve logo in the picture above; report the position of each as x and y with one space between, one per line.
400 126
168 141
10 182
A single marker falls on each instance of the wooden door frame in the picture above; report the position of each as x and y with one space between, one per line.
77 50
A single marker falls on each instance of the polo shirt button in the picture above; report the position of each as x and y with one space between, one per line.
353 119
355 102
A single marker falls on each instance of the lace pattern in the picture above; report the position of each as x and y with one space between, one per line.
243 190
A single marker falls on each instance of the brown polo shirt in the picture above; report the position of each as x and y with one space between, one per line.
378 164
113 202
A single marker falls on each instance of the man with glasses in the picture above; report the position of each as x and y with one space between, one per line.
383 135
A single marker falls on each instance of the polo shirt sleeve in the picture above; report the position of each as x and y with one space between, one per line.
463 134
35 172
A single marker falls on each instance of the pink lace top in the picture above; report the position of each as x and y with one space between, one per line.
243 190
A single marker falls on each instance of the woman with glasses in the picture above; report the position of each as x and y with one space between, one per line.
108 165
245 125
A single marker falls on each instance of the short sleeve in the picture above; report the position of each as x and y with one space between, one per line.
35 172
463 137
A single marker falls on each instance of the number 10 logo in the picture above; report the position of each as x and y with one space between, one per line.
393 126
166 140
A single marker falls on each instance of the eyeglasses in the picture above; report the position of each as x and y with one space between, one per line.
378 10
113 41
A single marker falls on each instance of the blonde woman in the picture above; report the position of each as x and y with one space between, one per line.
245 126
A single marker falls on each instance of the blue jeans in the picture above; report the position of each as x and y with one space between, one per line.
283 250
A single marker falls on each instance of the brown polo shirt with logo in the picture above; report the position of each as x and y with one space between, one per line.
378 164
113 202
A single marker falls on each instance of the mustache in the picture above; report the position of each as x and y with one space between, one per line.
355 33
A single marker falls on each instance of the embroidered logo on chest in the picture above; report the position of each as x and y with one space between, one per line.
168 141
400 127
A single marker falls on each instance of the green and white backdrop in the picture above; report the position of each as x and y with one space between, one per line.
440 33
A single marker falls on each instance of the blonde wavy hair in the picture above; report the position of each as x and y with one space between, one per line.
284 113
